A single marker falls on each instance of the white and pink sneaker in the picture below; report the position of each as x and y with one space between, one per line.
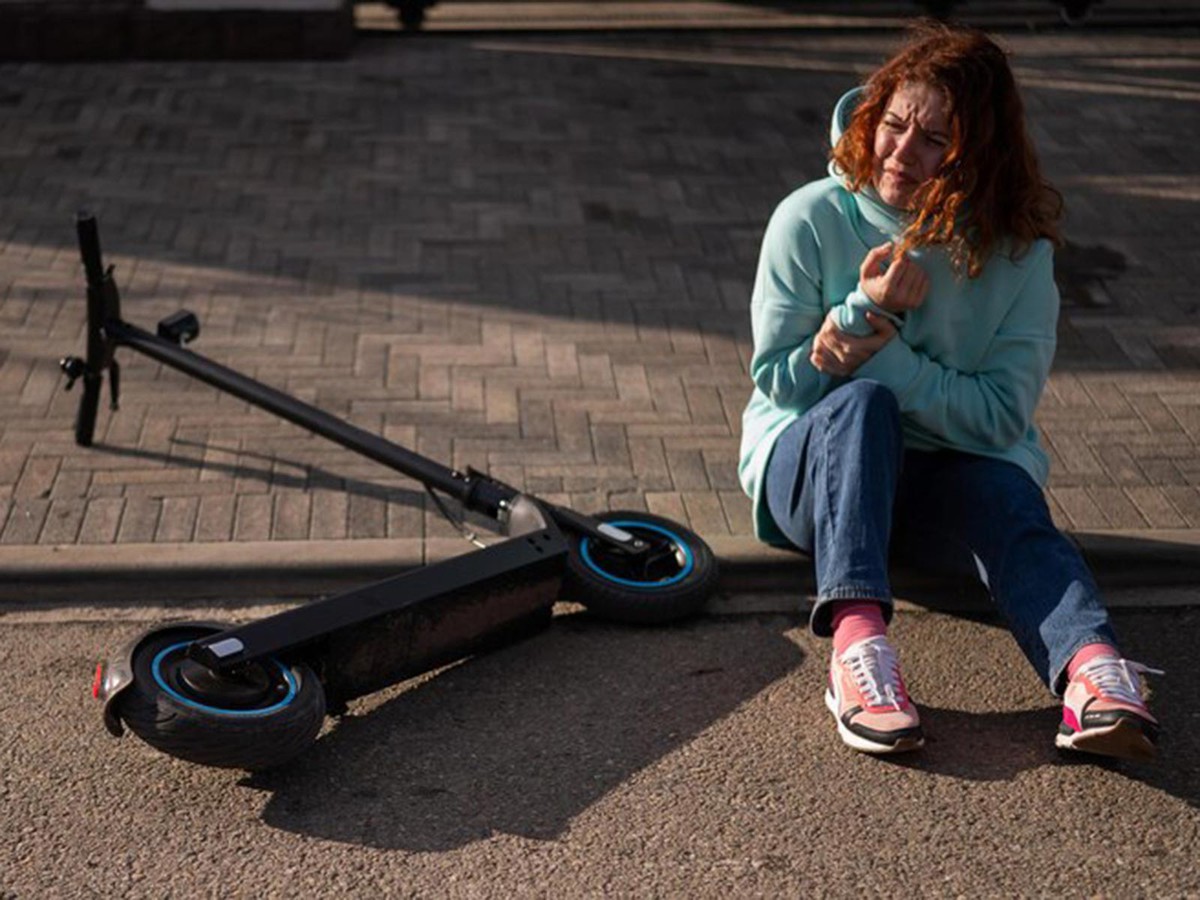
1104 713
869 701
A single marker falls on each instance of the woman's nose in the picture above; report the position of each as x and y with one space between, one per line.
906 143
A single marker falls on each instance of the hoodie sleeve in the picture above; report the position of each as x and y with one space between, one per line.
992 407
851 316
786 311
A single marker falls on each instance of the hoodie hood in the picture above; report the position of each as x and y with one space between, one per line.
841 116
888 219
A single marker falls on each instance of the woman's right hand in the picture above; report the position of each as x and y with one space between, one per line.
897 286
836 353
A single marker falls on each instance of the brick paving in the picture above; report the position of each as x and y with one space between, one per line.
530 254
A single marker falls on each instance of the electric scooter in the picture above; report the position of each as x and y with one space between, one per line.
252 696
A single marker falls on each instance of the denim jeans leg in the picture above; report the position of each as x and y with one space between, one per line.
831 485
990 517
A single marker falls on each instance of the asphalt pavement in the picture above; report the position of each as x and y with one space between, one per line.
593 760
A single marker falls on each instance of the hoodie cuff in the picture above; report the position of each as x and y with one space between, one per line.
851 316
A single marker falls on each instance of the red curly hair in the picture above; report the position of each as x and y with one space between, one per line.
989 187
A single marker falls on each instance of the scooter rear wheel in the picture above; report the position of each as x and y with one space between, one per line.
674 582
258 718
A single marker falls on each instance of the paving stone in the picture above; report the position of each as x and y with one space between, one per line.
330 515
1186 499
705 512
291 516
1081 508
252 519
63 521
139 520
1154 505
668 504
37 478
367 517
177 521
101 521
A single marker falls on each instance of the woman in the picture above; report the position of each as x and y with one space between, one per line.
904 318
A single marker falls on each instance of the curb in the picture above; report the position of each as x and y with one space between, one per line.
255 571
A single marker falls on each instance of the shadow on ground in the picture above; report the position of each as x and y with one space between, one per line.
277 471
523 740
1001 746
1004 745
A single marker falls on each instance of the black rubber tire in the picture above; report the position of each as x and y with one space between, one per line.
679 594
241 740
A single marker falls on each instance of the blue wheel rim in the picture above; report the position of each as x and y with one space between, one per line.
156 671
689 561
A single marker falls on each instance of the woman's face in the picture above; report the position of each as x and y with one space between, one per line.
910 141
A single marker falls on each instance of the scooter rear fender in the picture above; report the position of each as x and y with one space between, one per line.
115 675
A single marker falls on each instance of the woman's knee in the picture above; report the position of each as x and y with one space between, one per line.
868 402
1008 491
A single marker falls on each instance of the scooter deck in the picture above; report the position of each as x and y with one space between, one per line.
373 636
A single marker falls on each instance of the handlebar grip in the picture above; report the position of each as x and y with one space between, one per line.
89 402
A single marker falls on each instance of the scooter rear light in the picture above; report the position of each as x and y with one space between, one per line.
97 681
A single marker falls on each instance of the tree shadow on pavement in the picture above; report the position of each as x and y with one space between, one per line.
522 740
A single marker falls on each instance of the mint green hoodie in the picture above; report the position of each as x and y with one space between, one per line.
967 367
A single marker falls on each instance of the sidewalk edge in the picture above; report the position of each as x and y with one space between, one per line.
132 573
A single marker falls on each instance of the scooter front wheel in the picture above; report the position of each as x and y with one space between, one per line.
673 581
256 718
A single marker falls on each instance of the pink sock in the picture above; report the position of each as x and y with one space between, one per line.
854 621
1087 653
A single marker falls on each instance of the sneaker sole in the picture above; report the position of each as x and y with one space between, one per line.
1123 740
860 743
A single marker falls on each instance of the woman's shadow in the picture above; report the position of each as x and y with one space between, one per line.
524 739
1001 745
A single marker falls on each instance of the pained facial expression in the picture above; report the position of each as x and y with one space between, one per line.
910 141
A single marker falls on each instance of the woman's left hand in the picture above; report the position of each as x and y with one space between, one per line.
836 353
893 281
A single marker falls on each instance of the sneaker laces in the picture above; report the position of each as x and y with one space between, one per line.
1118 679
876 672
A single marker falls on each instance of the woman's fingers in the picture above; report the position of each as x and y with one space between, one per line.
831 351
907 284
875 262
884 331
838 353
823 361
897 283
906 281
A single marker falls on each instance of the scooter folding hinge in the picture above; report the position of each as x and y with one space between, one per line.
521 515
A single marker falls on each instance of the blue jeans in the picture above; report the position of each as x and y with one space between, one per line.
840 484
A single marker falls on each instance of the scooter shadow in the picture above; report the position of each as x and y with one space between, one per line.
277 471
522 740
